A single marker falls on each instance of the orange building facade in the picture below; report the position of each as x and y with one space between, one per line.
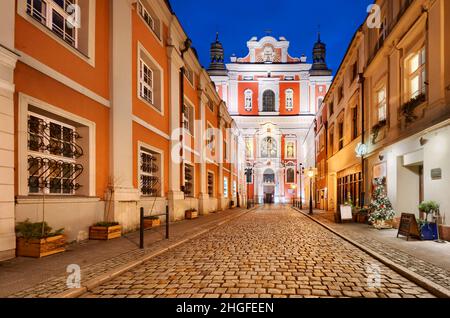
96 120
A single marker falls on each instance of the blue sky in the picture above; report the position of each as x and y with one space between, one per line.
297 20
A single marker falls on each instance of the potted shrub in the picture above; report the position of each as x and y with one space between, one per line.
151 221
105 231
429 229
191 214
363 215
38 240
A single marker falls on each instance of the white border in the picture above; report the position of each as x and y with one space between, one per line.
141 144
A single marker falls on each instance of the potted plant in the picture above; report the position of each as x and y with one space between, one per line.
38 240
363 215
191 214
105 231
151 221
429 229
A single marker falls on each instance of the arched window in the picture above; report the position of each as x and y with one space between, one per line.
268 101
269 148
289 100
248 96
290 175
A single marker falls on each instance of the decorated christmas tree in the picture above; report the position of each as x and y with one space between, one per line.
380 208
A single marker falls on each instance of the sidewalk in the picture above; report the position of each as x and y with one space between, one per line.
427 259
46 277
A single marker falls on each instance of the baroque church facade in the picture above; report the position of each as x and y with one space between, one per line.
273 97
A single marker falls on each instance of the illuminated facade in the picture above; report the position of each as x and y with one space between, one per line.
273 98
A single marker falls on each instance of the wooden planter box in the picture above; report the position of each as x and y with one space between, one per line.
363 218
190 215
105 233
149 223
40 247
444 232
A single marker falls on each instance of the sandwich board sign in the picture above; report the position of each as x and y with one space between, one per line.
346 213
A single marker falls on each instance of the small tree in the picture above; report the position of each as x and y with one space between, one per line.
380 207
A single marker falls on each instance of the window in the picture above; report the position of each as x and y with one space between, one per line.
268 101
354 123
189 74
150 172
145 82
331 108
382 33
417 74
341 135
350 186
234 189
150 88
210 104
340 93
210 139
248 100
53 151
381 104
354 71
188 180
56 15
249 175
290 175
332 140
188 118
225 151
225 187
210 184
149 18
289 100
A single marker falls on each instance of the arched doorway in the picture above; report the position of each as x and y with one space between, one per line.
269 186
269 101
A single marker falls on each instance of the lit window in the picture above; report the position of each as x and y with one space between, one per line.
289 100
225 187
52 156
381 104
57 16
417 74
248 100
149 170
146 82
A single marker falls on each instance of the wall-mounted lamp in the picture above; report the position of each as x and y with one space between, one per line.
381 157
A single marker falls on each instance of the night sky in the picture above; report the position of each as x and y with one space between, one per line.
297 20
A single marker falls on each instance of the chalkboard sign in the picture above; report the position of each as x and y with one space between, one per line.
408 226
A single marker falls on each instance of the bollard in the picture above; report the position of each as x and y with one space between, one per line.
141 230
167 222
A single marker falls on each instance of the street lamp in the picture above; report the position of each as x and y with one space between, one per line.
362 150
249 174
301 172
311 173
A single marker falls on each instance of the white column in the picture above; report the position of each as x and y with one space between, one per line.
233 94
122 193
7 65
201 148
304 96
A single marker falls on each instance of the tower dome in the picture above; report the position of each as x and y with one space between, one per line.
319 67
217 53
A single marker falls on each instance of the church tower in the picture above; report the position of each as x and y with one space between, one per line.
319 67
217 66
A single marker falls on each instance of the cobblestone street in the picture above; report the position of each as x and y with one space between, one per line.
271 252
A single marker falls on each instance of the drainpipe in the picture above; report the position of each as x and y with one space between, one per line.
363 185
187 46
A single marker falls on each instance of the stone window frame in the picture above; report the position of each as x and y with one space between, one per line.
86 127
289 96
85 35
248 100
142 146
157 72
